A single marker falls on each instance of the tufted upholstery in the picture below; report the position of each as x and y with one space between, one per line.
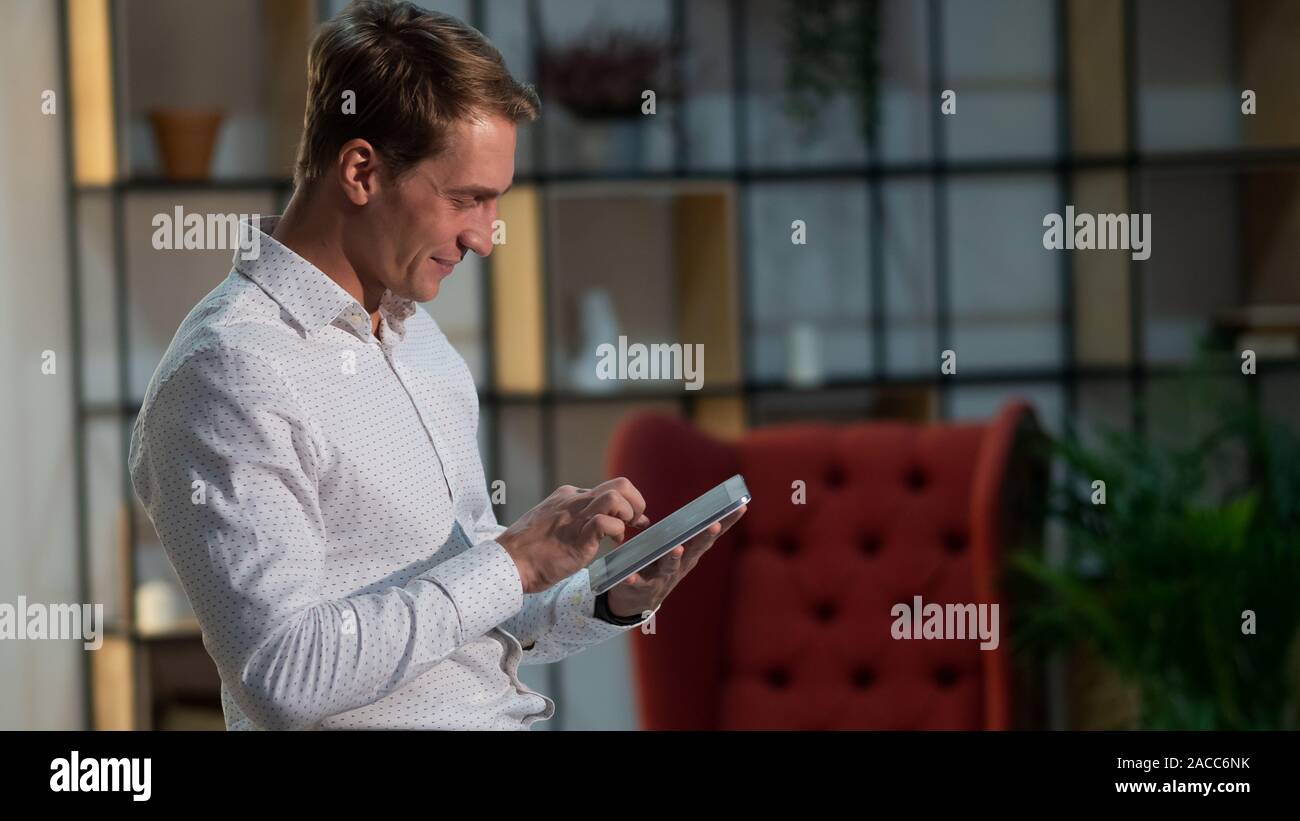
785 623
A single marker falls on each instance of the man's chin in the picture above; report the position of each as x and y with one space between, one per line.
426 291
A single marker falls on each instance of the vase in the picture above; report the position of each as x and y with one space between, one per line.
803 360
159 606
610 144
1097 696
185 140
599 326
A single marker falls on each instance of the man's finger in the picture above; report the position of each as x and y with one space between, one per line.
665 565
611 503
602 525
627 490
696 547
732 518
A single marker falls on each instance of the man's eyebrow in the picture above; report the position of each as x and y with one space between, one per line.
478 191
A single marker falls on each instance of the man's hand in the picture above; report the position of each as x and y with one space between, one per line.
646 590
561 535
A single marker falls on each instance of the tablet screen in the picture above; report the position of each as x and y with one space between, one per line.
662 536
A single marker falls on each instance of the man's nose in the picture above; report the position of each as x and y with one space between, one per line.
480 242
478 238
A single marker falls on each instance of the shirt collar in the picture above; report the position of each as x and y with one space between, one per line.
307 293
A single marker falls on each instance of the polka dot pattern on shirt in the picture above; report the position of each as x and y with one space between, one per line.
319 492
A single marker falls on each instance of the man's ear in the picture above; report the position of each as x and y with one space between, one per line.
358 171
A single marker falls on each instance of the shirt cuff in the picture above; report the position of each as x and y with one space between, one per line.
484 585
605 614
580 601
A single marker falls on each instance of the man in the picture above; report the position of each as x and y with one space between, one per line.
306 449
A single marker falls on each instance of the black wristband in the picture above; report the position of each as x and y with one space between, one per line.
604 614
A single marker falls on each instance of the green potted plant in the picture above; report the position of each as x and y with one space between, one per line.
1186 580
832 47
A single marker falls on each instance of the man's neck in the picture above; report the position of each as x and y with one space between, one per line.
314 232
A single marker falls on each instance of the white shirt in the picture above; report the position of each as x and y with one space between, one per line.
319 493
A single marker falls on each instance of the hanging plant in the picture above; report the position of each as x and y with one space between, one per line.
603 75
832 47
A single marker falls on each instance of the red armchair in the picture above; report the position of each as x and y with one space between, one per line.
785 623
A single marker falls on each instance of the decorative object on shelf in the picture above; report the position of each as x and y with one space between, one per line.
1162 581
599 326
1271 331
610 144
185 138
159 606
832 47
803 355
601 78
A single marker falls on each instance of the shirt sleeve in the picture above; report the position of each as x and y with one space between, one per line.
225 463
556 622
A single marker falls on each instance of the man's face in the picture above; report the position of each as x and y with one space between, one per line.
441 209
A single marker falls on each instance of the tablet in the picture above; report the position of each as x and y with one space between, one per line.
661 537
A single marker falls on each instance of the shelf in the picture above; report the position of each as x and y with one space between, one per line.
1097 373
522 309
183 631
156 184
1238 158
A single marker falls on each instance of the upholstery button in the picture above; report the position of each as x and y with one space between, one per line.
954 542
834 476
863 677
788 546
870 544
915 479
779 679
945 676
825 611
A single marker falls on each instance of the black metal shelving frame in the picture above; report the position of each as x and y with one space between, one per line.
874 173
